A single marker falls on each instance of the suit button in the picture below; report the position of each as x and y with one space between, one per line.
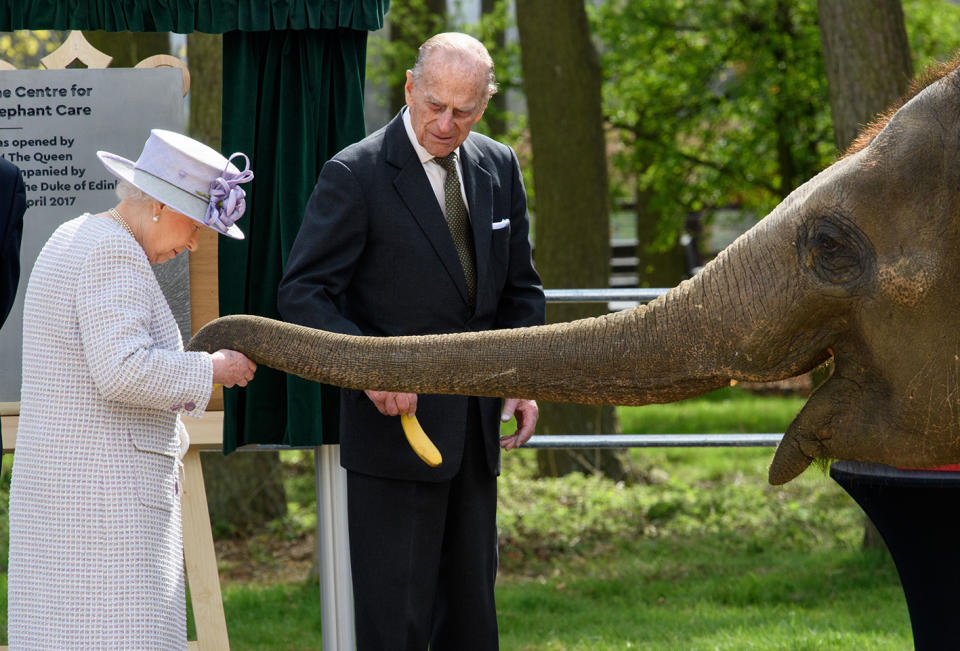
189 406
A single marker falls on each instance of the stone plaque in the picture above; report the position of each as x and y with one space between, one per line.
52 122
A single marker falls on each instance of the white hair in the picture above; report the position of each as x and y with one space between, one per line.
465 49
127 191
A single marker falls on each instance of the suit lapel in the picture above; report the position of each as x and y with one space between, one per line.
414 190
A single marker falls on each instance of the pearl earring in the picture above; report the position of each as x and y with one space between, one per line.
156 218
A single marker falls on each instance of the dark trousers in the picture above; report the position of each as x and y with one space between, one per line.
424 557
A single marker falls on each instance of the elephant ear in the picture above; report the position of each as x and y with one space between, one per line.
838 422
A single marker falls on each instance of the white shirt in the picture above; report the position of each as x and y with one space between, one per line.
435 173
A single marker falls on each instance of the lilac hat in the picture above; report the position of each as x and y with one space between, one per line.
188 176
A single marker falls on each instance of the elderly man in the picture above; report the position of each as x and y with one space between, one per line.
421 228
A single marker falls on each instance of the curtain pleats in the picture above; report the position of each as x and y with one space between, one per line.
292 100
185 16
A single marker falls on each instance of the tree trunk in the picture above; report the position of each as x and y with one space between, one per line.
655 268
205 52
867 59
244 490
570 174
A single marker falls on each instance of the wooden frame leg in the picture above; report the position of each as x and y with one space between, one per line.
201 561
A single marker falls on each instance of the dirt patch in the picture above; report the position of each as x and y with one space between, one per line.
265 559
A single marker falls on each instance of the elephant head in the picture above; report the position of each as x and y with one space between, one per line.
861 264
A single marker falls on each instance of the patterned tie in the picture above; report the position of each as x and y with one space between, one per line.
458 222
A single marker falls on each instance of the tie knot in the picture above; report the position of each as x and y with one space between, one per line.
448 162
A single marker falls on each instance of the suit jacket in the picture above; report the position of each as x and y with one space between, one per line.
374 256
13 203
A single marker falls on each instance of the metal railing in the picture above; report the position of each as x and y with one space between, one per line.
639 295
593 441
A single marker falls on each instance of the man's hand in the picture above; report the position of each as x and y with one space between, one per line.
389 403
526 413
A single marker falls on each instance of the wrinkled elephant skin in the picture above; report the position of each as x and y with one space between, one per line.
861 263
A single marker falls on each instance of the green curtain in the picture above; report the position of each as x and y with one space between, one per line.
296 99
185 16
293 77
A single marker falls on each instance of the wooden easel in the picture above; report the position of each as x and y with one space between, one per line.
206 434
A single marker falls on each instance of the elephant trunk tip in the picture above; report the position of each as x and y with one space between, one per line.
211 337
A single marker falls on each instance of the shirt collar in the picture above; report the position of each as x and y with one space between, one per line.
424 156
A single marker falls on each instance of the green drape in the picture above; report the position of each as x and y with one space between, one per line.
293 77
185 16
297 99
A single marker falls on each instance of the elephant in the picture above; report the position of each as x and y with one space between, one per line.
859 265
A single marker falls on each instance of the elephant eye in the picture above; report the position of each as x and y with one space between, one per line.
826 243
835 250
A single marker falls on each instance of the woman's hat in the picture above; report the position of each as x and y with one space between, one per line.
188 176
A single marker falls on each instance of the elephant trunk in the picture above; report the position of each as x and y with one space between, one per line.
561 362
683 344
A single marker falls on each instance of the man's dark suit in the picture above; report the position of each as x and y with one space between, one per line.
374 256
13 203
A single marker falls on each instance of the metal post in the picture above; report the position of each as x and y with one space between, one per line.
333 551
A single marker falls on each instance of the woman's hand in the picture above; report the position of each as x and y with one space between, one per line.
232 368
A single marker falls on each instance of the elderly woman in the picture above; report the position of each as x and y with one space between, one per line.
96 555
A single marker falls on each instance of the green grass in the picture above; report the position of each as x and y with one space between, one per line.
729 410
707 556
281 617
677 596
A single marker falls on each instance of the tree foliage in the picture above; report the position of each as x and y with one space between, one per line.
24 48
725 103
712 104
933 29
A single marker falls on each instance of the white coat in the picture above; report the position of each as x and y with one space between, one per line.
96 554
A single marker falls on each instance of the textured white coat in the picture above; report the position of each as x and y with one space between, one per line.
96 554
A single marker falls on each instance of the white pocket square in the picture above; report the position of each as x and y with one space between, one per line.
503 223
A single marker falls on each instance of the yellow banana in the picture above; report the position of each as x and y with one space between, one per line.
419 441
